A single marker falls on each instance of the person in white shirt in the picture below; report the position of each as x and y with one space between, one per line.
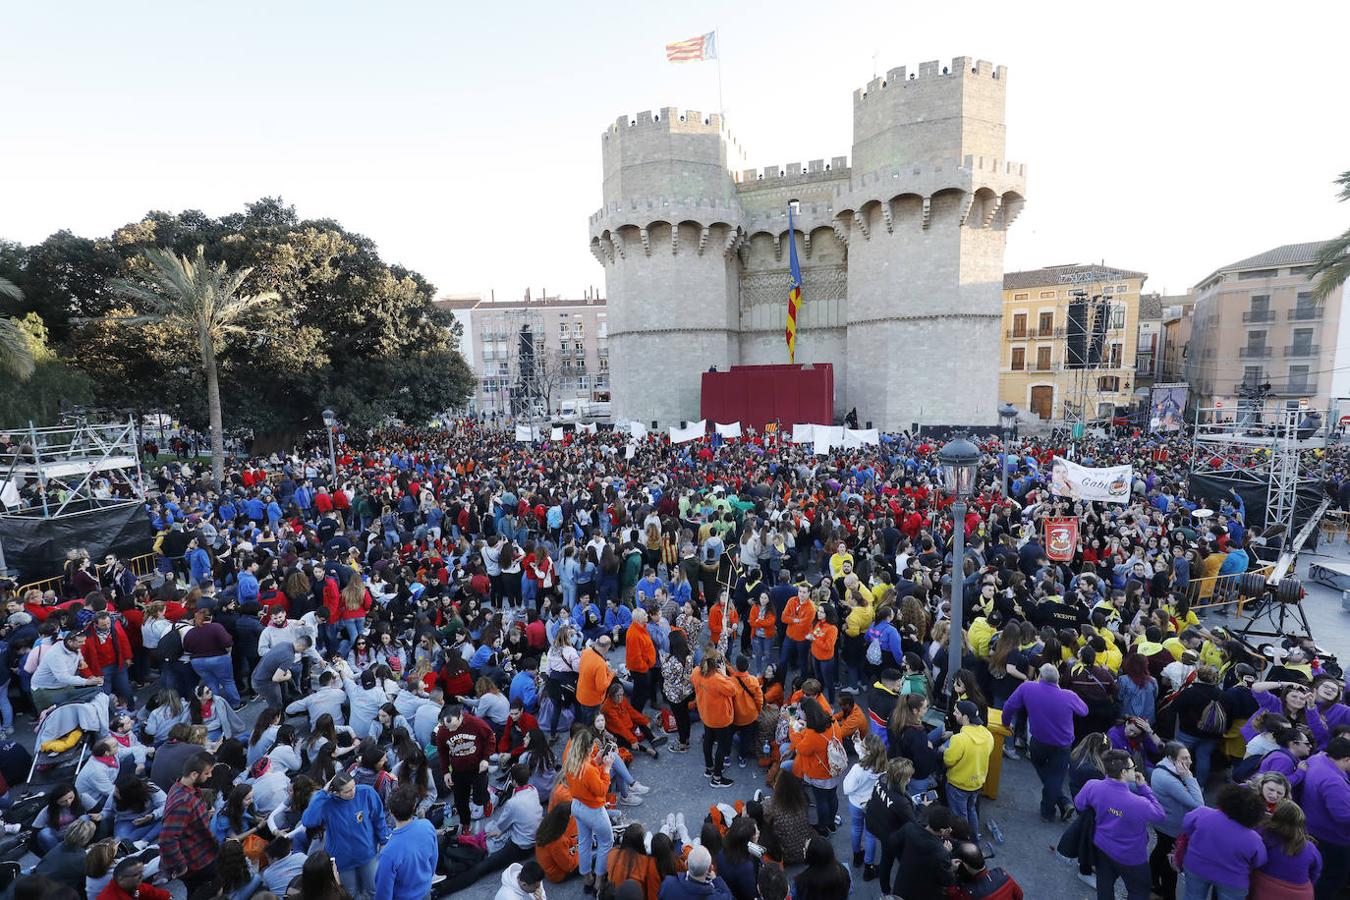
327 699
280 630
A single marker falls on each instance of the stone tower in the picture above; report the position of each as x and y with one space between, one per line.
902 253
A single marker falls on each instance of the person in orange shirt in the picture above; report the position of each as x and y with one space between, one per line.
715 695
746 705
849 717
810 689
822 639
587 771
629 728
555 843
763 628
594 678
810 737
640 656
715 621
629 862
800 617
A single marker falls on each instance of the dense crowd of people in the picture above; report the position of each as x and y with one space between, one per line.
455 649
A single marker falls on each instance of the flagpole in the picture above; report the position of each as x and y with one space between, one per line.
721 110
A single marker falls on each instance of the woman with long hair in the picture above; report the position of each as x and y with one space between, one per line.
63 809
677 670
810 742
562 666
909 736
785 814
1086 762
238 818
738 867
138 809
1293 862
319 879
1007 664
888 811
824 877
555 843
235 877
414 771
587 771
858 786
714 694
629 861
1137 689
1178 792
538 757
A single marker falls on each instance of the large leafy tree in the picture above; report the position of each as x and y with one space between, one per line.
16 356
52 387
205 300
350 331
1332 268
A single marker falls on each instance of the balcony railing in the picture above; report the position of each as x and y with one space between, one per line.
1283 388
1305 314
1033 334
1258 315
1250 352
1302 350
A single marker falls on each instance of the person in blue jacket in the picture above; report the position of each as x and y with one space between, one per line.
352 816
198 562
407 864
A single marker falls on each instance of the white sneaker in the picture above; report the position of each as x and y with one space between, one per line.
1090 880
640 789
630 800
13 828
669 826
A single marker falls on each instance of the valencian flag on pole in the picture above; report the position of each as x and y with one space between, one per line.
693 50
794 292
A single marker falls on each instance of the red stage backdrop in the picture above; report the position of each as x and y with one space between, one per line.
757 395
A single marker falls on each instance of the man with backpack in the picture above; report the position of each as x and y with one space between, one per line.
1202 718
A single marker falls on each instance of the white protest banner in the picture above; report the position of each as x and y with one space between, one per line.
828 437
637 430
524 433
587 428
629 451
556 434
803 434
692 432
861 437
729 431
1109 485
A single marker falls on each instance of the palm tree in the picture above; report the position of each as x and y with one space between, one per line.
16 351
1332 268
192 293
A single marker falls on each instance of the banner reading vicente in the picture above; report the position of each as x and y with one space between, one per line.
1109 485
1061 538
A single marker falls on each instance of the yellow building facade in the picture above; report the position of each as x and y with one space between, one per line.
1070 335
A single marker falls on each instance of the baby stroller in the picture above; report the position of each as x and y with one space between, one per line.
89 717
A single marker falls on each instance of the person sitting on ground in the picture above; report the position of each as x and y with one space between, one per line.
974 881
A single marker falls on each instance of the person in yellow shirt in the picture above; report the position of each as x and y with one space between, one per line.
967 760
837 560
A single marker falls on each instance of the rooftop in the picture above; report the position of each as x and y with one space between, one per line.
1283 255
1150 306
1054 276
479 303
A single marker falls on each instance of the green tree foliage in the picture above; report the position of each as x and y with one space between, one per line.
349 331
1332 268
52 385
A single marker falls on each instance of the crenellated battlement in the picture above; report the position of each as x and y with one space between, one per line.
669 120
929 73
642 210
794 173
937 170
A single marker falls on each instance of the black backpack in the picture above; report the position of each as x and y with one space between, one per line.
170 646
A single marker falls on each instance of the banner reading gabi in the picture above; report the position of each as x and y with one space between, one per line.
1109 485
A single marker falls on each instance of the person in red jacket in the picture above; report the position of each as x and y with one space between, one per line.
108 652
975 881
519 724
463 744
128 883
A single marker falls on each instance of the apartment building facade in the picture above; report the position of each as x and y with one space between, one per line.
552 348
1177 318
1049 366
1255 324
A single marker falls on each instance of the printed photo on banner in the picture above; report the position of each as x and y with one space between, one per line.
1109 485
1168 408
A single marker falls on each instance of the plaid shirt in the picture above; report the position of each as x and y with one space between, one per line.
186 843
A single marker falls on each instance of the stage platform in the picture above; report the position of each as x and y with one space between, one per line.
758 395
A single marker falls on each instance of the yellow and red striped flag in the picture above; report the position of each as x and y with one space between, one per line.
693 50
794 292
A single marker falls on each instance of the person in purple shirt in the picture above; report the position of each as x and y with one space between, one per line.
1288 758
1293 864
1325 798
1050 710
1222 848
1125 807
1327 696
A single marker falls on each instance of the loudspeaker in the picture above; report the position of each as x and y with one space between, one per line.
1102 313
1075 333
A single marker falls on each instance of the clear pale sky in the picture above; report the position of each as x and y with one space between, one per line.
464 138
